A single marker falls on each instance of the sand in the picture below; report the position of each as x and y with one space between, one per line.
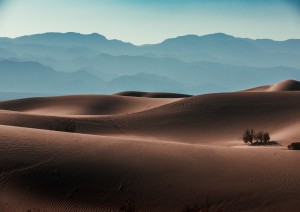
106 153
152 94
84 105
287 85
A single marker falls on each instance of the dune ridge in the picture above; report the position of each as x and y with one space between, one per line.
199 119
152 94
84 105
286 85
108 152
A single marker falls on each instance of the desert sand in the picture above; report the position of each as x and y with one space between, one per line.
150 152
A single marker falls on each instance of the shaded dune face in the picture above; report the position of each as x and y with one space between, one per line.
215 117
104 153
201 119
288 85
152 94
57 171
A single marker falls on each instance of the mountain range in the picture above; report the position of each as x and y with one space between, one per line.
69 63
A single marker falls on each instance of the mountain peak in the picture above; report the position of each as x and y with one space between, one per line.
195 38
218 35
59 36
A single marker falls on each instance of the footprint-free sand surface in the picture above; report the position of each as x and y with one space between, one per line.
150 152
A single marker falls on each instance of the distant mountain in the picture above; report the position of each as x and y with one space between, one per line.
148 83
75 40
32 77
23 79
62 39
228 49
187 64
5 96
192 76
4 53
125 64
217 47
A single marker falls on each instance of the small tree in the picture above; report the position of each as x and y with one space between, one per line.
266 137
259 137
248 136
252 135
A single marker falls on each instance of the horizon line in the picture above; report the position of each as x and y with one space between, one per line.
173 37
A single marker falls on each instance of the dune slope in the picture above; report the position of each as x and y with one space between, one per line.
204 119
287 85
92 173
106 153
84 105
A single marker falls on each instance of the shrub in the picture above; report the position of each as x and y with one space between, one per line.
248 136
266 137
294 146
260 137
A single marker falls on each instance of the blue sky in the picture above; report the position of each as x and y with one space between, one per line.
151 21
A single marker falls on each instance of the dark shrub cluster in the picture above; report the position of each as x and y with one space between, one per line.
294 146
250 136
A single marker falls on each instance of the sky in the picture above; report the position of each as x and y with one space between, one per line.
152 21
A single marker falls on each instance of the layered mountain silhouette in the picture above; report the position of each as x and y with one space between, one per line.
18 78
66 63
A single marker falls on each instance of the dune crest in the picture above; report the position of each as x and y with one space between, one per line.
152 94
286 85
200 119
150 152
84 105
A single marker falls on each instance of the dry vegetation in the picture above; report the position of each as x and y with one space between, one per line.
255 138
294 146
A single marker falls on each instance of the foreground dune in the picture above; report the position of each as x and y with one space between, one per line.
57 171
151 153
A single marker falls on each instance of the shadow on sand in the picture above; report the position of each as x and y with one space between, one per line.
270 143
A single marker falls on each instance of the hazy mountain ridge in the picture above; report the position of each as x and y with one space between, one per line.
217 47
32 77
191 64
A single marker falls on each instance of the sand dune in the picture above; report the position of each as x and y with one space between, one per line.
287 85
101 152
62 172
201 119
152 94
84 105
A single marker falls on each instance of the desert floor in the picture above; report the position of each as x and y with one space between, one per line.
150 152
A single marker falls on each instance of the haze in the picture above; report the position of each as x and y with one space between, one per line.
144 22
